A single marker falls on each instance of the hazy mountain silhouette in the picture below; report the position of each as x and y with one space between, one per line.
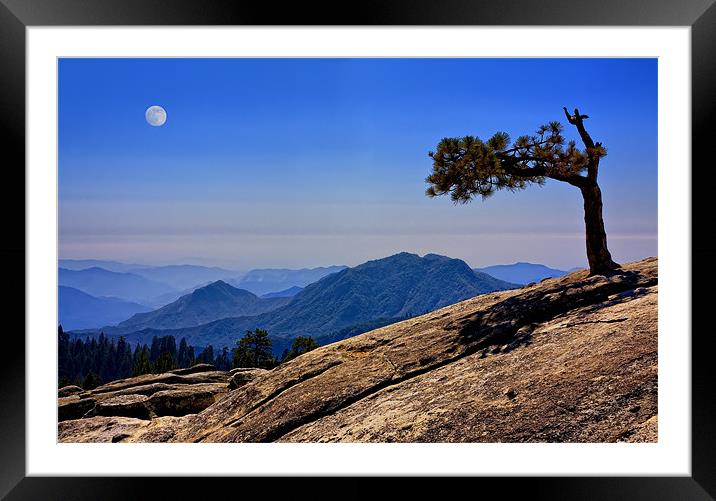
100 282
79 310
291 291
213 302
83 264
170 297
264 281
521 273
185 276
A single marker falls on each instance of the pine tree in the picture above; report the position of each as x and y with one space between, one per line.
183 359
190 356
207 356
91 381
169 345
222 360
300 345
155 350
254 350
164 363
467 167
64 366
123 366
141 361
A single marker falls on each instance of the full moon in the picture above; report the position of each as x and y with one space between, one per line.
155 115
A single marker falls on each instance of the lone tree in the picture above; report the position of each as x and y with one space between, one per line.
466 167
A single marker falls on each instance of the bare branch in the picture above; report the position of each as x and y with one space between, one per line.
578 121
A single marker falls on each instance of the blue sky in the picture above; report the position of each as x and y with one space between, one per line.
310 162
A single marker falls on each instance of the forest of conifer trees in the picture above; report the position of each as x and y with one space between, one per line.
94 361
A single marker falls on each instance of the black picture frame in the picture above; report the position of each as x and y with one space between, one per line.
16 15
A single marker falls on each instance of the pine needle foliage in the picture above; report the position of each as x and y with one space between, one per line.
466 167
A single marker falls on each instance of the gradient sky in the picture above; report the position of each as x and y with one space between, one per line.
312 162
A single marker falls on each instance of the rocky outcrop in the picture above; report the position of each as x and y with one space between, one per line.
176 393
239 377
194 369
67 391
571 359
188 399
168 378
124 405
74 407
117 429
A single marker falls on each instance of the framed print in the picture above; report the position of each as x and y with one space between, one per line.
416 241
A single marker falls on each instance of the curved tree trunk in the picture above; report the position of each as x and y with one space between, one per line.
600 260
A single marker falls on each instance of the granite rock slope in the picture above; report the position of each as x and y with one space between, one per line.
571 359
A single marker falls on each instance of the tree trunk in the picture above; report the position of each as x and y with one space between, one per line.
600 260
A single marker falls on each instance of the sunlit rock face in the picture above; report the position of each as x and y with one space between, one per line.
571 359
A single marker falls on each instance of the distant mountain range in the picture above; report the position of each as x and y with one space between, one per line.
79 310
263 281
170 297
290 292
521 273
376 292
206 304
83 264
100 282
157 286
185 276
177 276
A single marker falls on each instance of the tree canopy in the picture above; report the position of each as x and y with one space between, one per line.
467 167
299 346
93 361
254 350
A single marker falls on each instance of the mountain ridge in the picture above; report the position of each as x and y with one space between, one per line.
185 276
262 281
99 282
290 292
78 310
206 304
394 287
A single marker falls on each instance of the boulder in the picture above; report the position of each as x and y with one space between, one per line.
194 369
205 377
143 380
144 397
99 429
159 429
118 429
124 405
167 378
66 391
74 407
146 389
240 377
188 399
239 369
